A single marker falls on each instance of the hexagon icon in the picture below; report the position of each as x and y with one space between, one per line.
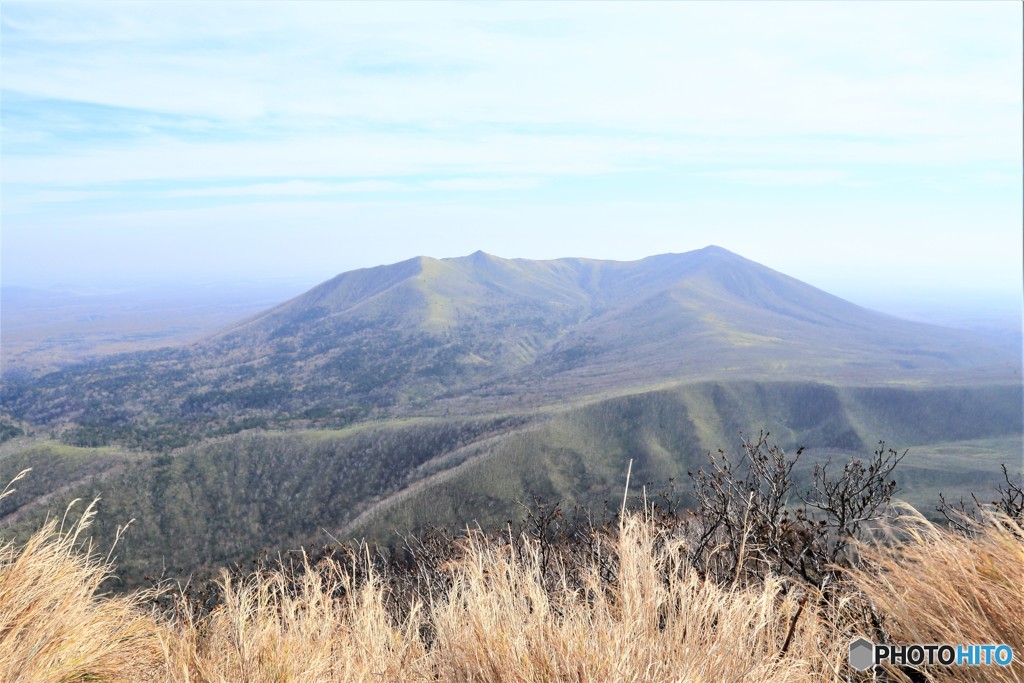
862 654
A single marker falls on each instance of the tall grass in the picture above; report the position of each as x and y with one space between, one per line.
269 630
495 620
54 623
500 613
935 586
657 622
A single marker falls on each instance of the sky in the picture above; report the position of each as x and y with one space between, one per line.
864 147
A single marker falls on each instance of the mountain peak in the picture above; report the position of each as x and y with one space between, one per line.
480 257
716 250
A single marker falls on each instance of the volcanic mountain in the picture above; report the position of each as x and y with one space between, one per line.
444 391
702 313
478 332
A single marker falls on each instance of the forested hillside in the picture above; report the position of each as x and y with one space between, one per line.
453 391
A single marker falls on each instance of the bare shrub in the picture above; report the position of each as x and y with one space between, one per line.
752 522
964 516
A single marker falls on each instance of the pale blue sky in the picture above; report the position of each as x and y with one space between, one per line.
872 145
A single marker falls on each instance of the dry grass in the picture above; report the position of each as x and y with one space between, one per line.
54 624
935 586
658 622
500 616
266 630
497 622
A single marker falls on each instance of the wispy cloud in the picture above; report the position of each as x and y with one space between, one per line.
147 109
291 188
162 92
774 176
307 188
483 184
654 68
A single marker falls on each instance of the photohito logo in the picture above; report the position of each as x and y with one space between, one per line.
864 654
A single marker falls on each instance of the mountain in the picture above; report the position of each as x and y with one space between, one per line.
481 333
707 311
446 391
579 324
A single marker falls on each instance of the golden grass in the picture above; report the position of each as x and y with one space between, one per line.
496 622
934 586
264 633
54 624
501 618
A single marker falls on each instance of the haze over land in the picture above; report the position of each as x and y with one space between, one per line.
47 328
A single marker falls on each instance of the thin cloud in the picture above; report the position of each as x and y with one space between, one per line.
483 184
772 176
654 68
292 188
326 114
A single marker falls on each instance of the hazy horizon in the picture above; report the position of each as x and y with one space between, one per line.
977 309
871 150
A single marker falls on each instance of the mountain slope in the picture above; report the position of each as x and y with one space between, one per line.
486 333
225 499
580 454
482 317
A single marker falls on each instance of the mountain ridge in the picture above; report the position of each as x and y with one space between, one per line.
480 332
586 287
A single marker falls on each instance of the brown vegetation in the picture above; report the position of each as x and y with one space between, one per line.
496 621
55 627
939 586
625 600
